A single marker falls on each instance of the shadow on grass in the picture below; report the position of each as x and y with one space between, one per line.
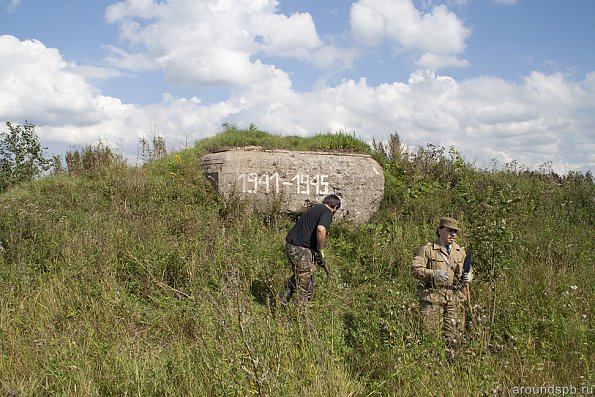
263 293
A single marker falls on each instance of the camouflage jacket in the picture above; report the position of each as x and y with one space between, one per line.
434 256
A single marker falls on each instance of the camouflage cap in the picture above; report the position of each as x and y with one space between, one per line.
450 223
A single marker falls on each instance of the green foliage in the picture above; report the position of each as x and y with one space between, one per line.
232 137
338 142
89 160
122 280
21 155
153 149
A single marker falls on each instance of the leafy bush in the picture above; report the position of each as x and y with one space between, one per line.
91 159
21 155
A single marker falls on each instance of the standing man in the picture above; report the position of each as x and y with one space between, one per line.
305 240
439 269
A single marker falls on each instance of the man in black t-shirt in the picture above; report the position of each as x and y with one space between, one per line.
305 239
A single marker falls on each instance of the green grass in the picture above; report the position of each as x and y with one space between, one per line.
340 141
141 281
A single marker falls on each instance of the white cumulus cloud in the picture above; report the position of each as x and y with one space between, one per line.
439 34
214 42
36 81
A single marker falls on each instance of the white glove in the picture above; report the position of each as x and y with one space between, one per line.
440 275
467 277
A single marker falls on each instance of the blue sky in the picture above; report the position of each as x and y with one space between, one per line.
500 80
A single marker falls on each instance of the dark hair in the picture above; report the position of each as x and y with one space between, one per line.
333 201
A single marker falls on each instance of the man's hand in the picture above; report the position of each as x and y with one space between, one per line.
467 277
440 275
319 258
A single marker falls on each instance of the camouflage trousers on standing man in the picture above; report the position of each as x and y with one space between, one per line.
442 313
301 260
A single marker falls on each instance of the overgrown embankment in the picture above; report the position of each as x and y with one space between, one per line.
123 280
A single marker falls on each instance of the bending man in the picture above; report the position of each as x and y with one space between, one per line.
306 239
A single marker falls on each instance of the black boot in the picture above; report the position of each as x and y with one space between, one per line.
285 296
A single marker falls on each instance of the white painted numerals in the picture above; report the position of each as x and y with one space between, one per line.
298 184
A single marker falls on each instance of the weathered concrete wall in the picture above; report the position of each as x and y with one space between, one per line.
294 180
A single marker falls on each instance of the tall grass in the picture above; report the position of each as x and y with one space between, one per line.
141 281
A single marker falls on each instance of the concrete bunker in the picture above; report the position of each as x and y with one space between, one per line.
294 180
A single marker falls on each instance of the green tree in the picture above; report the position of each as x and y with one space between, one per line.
21 155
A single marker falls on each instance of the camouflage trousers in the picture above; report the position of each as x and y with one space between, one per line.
301 260
443 314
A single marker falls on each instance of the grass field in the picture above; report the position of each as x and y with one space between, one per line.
141 281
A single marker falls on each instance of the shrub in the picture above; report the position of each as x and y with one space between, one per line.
21 155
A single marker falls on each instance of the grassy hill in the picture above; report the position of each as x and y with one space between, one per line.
120 280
